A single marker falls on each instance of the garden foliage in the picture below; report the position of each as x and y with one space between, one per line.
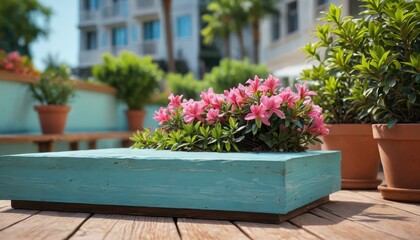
257 116
185 85
135 78
16 63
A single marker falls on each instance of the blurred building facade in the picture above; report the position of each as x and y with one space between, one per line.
138 26
283 34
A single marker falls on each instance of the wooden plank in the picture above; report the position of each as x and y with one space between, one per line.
328 226
166 212
284 230
239 182
4 203
374 214
102 226
208 229
409 207
47 146
45 225
9 216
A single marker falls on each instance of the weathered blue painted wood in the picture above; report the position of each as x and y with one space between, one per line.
249 182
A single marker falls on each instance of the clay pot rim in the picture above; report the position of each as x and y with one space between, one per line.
52 108
402 131
353 129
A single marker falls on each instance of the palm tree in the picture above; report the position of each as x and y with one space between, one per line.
219 24
256 10
166 5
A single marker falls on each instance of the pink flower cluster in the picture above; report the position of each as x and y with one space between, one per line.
258 100
14 62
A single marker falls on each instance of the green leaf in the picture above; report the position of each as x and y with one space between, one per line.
391 123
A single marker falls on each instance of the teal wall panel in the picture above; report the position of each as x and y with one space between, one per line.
90 112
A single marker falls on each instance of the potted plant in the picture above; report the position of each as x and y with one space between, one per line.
134 78
52 91
392 62
341 96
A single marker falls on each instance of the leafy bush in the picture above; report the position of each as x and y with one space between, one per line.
256 117
391 60
230 73
369 68
337 81
52 89
134 78
185 85
14 62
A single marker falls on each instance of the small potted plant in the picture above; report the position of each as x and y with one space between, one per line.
134 78
259 117
340 88
53 91
392 62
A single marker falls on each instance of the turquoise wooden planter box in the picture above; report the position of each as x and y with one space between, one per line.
265 187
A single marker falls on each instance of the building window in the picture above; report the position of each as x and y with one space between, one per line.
91 5
119 36
292 17
355 8
322 2
91 40
183 26
151 30
275 26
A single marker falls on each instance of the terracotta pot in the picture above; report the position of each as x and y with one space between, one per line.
359 154
399 148
135 119
52 118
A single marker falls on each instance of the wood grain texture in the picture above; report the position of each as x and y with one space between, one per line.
112 227
243 182
208 229
328 226
409 207
9 216
284 230
364 210
45 225
4 203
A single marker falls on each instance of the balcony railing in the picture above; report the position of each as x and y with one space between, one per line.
115 10
148 48
145 4
88 15
115 50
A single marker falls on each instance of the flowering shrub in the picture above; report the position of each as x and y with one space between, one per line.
257 116
15 63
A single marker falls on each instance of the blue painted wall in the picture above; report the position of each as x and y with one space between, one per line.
91 111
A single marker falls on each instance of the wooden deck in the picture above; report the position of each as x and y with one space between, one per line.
349 215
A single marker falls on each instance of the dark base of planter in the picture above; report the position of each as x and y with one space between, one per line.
167 212
360 183
400 194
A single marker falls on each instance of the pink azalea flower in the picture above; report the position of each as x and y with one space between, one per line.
213 115
287 95
162 115
210 98
236 96
254 86
193 110
270 84
258 113
273 104
318 127
175 101
303 90
315 111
